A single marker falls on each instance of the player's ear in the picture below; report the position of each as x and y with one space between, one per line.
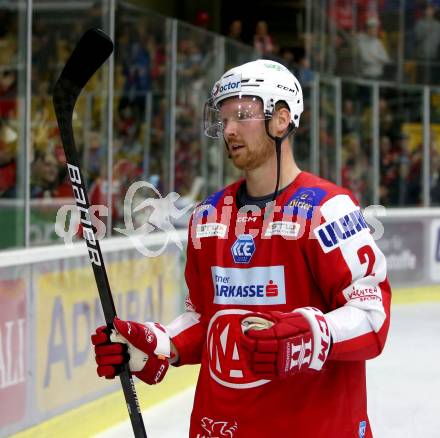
281 120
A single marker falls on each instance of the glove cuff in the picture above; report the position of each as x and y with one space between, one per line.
139 358
321 335
163 339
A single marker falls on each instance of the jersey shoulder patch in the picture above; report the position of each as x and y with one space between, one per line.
206 207
311 194
304 200
325 186
210 203
341 221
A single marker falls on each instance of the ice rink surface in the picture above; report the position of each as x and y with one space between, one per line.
403 384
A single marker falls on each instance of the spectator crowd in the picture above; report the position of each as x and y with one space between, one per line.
363 45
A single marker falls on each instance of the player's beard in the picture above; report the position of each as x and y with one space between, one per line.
249 159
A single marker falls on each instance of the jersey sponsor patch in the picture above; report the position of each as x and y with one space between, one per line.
227 85
243 248
282 228
332 234
362 293
249 286
303 201
211 229
362 429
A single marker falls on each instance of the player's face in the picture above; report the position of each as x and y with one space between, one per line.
244 131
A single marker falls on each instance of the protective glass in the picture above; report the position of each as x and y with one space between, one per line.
240 109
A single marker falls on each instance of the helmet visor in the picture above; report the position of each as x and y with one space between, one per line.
237 109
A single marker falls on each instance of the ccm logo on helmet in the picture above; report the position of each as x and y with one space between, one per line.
286 88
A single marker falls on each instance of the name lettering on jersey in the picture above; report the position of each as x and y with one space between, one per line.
303 201
249 286
211 229
331 235
282 228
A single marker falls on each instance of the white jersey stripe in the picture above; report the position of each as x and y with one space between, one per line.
364 310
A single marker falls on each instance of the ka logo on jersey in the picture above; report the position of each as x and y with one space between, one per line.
243 248
227 361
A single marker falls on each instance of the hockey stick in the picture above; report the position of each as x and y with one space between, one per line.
92 50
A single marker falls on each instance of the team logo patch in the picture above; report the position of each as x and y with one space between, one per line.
249 286
303 201
331 235
226 357
243 248
212 229
218 428
282 228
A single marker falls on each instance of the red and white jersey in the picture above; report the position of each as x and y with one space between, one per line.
313 249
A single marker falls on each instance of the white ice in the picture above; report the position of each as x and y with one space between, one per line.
403 384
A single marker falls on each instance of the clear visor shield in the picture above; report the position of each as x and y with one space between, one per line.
237 109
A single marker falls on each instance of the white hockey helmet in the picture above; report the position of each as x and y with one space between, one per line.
268 80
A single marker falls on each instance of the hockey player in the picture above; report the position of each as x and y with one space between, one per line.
288 293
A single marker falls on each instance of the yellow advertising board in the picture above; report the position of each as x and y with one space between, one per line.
68 310
14 347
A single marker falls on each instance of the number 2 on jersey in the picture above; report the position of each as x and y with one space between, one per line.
366 255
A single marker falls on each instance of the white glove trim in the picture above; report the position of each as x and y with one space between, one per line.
321 335
163 339
138 358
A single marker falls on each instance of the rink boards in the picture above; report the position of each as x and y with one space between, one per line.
48 311
48 383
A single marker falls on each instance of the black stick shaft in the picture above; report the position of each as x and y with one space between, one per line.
90 53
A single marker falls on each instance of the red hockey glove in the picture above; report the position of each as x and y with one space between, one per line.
282 344
145 348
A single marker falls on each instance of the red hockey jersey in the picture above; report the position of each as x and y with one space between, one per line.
313 249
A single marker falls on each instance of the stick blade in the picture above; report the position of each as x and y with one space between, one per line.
90 53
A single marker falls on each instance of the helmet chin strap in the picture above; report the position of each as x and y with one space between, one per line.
278 142
226 146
